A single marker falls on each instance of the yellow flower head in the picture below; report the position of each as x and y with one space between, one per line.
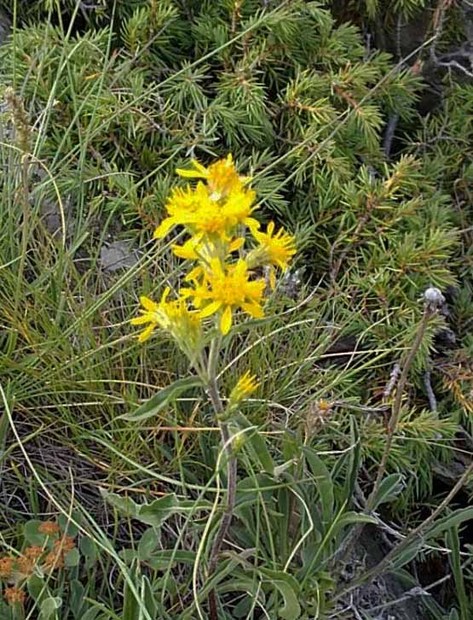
202 213
245 386
225 288
222 177
173 317
275 249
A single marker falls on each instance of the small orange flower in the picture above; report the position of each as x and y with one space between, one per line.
49 528
6 567
64 544
25 566
34 552
14 596
53 561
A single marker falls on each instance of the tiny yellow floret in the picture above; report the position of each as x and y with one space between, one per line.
245 386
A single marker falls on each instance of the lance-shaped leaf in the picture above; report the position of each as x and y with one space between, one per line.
162 399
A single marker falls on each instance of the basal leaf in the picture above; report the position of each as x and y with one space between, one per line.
163 398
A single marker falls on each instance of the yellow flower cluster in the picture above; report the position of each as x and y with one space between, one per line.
217 213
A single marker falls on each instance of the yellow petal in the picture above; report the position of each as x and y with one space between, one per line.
210 309
236 244
253 310
199 172
148 304
186 251
252 224
163 229
226 320
145 334
140 320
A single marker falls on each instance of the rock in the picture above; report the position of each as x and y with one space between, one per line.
5 26
117 255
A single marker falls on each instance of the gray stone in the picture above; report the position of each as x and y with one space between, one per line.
5 26
117 255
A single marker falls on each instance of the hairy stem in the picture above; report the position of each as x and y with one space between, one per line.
231 465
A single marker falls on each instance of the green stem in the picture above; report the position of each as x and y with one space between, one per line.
231 463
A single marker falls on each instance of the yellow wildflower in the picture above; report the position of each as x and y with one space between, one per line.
237 209
182 207
275 249
222 177
245 386
203 214
173 317
224 289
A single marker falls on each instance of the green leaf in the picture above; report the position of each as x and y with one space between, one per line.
131 607
161 560
158 511
35 587
389 489
162 399
354 461
148 598
457 517
68 525
289 589
353 517
125 505
49 606
72 558
148 543
89 551
32 536
5 611
90 614
76 599
407 555
455 560
324 484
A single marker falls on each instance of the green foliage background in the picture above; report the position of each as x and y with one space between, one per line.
116 96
